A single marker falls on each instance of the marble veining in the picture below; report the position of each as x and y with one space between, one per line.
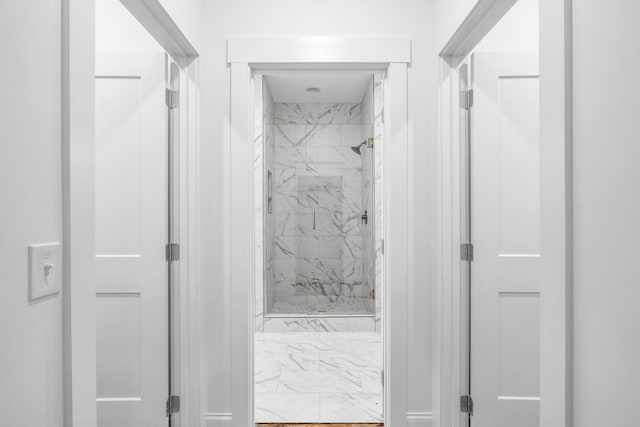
293 384
317 204
317 256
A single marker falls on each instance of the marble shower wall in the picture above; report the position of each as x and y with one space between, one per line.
263 167
378 123
317 208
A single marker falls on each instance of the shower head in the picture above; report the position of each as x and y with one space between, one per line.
368 142
356 149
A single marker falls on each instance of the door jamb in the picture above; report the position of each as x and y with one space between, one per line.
556 296
78 129
391 53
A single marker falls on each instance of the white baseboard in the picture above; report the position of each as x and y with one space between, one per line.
219 419
419 419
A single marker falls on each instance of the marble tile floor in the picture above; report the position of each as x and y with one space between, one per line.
325 377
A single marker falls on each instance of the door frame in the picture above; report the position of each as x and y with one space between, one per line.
78 135
245 54
556 295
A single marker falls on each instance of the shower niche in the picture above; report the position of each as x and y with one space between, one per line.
318 150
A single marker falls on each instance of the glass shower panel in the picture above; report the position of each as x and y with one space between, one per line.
319 225
367 226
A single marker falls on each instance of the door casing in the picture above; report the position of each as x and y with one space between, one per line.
246 55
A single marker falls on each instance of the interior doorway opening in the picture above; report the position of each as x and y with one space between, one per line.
498 192
318 335
136 222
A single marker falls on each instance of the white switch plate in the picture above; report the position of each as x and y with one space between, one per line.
45 270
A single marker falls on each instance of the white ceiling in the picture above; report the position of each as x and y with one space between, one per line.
345 86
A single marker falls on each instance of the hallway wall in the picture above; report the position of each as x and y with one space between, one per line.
607 212
31 212
329 18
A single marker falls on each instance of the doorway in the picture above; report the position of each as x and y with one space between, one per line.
136 104
319 266
246 56
504 221
501 227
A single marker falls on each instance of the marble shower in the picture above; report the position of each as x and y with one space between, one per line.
318 213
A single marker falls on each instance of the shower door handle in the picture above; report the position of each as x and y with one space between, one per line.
314 219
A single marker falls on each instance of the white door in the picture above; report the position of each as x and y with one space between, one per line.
131 233
505 232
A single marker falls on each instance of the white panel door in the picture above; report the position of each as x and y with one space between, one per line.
131 233
505 231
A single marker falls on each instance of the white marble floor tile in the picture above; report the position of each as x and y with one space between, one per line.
350 408
318 377
318 382
371 381
350 361
266 381
290 361
287 407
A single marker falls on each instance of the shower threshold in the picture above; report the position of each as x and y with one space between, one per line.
316 314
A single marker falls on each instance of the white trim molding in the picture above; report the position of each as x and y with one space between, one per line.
419 419
245 55
556 211
157 21
319 50
482 18
219 419
79 295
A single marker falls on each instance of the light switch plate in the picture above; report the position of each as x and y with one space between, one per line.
45 270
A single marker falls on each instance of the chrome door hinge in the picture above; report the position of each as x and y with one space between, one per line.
466 99
172 251
382 377
173 405
172 98
466 404
466 252
382 246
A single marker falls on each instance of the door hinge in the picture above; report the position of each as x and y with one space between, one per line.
466 404
172 98
372 294
382 246
173 405
466 99
172 251
466 252
382 377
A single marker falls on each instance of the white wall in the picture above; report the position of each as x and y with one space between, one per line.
334 18
607 212
120 32
31 212
448 15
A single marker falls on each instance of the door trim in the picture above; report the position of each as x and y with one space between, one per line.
556 300
249 53
78 135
